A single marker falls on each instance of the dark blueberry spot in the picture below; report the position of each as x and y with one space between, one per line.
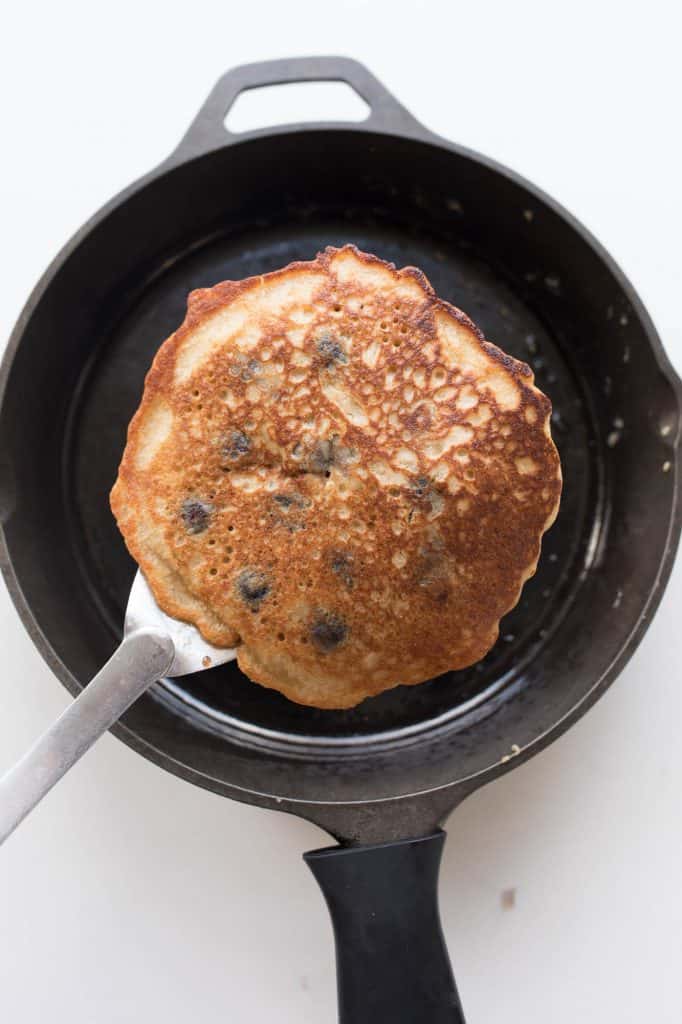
420 486
291 500
253 587
290 509
246 370
328 631
196 515
283 500
236 445
432 566
322 457
435 587
342 565
327 454
330 349
251 370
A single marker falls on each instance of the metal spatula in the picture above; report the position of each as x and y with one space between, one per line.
153 645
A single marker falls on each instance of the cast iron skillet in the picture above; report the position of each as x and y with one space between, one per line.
382 777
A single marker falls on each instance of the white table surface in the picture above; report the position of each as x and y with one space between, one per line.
130 895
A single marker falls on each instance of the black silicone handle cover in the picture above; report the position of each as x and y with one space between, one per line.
391 959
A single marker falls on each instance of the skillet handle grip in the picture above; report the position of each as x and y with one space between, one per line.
208 131
391 959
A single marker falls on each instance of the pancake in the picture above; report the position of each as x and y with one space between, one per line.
332 470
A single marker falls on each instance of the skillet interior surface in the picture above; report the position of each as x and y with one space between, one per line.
535 286
110 394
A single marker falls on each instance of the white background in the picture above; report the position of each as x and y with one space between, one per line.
132 896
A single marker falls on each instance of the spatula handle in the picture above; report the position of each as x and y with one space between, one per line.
143 657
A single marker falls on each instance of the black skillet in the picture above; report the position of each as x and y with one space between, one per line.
382 777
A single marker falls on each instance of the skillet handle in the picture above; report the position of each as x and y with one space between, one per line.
208 131
391 959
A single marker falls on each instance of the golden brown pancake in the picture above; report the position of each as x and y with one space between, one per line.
332 470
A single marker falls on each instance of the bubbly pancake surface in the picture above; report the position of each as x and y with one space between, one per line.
332 470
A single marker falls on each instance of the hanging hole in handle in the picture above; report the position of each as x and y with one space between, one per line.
295 102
